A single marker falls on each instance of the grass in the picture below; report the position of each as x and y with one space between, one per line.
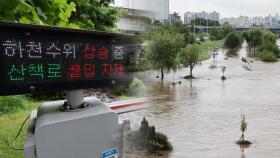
206 46
9 125
124 97
13 111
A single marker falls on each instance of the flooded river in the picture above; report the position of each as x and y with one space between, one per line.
202 117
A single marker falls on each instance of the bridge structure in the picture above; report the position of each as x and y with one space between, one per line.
208 29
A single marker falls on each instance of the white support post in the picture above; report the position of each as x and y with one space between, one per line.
75 98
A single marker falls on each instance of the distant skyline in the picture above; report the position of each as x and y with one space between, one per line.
227 8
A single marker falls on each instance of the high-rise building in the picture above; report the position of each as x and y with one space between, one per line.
172 19
139 13
160 8
189 16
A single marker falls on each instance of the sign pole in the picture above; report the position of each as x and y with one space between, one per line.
75 98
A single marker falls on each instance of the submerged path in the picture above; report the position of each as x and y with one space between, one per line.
202 117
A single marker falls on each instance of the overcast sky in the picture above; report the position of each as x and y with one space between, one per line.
228 8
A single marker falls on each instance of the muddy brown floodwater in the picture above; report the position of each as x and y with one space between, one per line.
202 117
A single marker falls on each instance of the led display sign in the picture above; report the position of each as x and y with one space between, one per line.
45 59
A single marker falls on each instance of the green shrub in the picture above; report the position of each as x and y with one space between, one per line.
154 141
10 104
154 146
201 38
268 57
135 88
144 127
269 47
163 140
120 89
143 61
233 41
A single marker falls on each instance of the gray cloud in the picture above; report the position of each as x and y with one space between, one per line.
228 8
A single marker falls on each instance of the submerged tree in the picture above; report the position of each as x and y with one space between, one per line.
243 127
233 41
223 71
163 48
254 38
189 57
269 43
246 36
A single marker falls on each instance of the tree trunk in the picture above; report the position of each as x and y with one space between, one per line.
191 69
162 74
250 48
242 137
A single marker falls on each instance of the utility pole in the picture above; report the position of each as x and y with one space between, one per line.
207 26
194 24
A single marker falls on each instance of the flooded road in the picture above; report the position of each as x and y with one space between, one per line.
202 117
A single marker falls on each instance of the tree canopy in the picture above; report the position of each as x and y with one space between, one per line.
220 33
264 42
86 14
189 56
233 41
184 30
95 14
254 38
164 46
215 34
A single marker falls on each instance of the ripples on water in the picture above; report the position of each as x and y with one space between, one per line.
202 117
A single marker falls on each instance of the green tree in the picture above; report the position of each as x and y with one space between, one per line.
95 14
189 56
246 36
215 34
86 14
269 37
264 41
256 38
7 9
164 46
269 47
54 12
185 31
48 12
233 41
226 29
204 22
243 128
269 43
